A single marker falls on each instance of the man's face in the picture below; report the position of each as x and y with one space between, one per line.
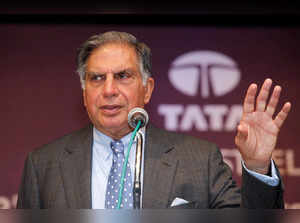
113 87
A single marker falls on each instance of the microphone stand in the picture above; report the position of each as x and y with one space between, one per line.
137 175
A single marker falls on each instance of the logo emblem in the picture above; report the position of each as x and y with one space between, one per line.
205 72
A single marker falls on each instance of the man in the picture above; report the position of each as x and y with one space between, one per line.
82 169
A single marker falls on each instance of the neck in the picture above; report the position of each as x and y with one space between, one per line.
115 135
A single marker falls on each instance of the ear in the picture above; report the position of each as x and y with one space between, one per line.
148 90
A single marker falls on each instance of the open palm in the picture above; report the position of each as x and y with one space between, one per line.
258 130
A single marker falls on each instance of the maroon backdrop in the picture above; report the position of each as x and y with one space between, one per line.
201 77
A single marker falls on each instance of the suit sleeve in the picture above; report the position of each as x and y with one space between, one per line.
254 194
28 196
223 190
257 194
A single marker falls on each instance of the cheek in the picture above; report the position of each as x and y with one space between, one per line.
90 100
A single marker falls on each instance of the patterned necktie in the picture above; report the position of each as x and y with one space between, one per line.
114 180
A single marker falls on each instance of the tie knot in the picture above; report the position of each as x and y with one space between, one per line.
117 146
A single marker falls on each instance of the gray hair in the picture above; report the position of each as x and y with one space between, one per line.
142 50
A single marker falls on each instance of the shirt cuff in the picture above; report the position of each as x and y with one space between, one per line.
272 181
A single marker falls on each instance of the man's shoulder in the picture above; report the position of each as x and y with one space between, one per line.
181 140
58 145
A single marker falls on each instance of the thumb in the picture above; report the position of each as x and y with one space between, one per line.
242 134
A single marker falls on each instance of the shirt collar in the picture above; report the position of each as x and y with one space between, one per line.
104 141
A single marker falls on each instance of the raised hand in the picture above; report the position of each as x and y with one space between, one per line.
258 130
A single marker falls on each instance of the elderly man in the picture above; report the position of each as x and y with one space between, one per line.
83 169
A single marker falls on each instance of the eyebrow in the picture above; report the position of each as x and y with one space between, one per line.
92 73
128 70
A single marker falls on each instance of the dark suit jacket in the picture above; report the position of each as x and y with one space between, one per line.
58 175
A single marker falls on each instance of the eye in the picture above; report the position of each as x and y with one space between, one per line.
122 75
97 77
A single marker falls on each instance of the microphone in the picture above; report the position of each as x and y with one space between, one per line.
137 114
134 116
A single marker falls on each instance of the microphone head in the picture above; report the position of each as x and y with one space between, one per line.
137 114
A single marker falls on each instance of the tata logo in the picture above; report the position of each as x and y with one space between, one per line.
204 72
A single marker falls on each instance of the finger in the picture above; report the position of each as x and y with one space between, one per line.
250 99
263 95
282 115
273 101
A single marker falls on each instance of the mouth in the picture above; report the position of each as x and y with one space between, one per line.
110 109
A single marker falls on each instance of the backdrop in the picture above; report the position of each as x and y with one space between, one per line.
201 74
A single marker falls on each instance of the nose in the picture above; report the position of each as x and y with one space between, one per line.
110 88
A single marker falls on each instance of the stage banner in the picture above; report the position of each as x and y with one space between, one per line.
201 76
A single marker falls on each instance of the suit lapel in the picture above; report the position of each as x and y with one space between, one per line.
159 170
75 166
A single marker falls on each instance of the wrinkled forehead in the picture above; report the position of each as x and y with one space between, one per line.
112 57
